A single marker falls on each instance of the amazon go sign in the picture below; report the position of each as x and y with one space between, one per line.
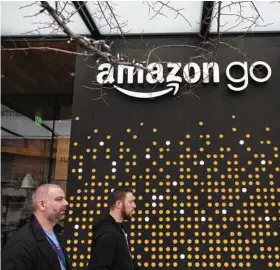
174 74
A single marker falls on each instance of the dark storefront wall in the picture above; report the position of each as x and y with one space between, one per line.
204 199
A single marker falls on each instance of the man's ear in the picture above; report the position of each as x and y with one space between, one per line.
42 205
118 204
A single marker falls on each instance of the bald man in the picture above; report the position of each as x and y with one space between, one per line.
36 246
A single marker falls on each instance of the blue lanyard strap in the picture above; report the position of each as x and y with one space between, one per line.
58 251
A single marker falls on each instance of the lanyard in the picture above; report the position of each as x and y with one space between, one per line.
126 238
127 242
58 251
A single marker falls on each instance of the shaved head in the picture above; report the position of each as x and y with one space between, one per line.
41 194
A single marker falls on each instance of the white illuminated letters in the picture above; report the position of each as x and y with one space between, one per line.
170 77
245 78
156 73
129 70
215 72
197 72
108 73
260 63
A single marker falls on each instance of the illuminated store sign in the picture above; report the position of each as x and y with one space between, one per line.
171 75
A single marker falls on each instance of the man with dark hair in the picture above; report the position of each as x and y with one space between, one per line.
36 246
110 245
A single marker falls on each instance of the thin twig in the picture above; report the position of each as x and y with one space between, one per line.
29 5
45 49
152 6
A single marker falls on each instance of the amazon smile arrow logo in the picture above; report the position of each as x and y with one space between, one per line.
171 87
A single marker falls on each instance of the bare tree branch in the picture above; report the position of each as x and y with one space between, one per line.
114 16
106 12
45 49
159 10
259 15
29 5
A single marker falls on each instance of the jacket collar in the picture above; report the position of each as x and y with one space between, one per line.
118 225
46 249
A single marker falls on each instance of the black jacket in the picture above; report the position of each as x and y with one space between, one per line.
109 248
29 249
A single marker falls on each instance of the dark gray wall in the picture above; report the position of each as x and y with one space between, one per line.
202 190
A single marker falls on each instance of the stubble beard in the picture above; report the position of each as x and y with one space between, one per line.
125 215
56 217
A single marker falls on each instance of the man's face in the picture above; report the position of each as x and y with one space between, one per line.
55 205
128 205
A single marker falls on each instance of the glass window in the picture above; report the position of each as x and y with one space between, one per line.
35 136
36 109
